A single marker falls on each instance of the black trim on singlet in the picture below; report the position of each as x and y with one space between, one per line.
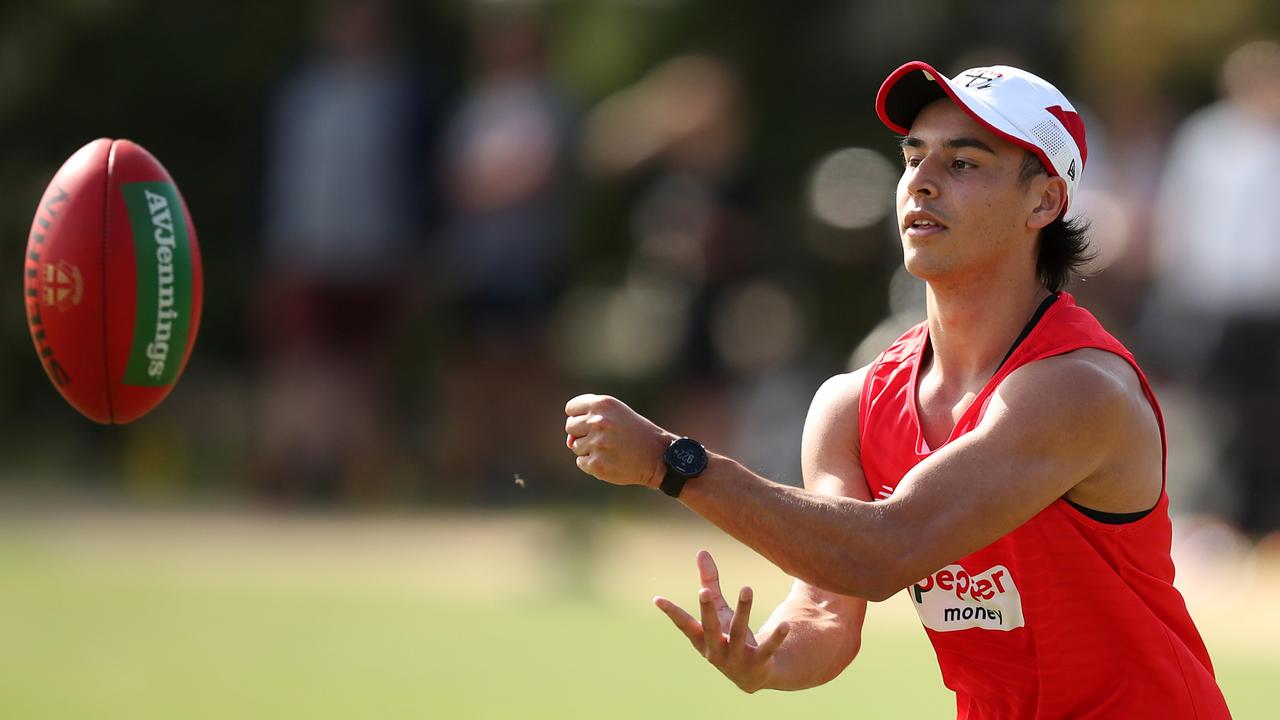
1111 518
1031 325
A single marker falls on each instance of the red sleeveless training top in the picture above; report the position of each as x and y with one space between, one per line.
1066 616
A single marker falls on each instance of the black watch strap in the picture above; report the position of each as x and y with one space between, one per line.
672 483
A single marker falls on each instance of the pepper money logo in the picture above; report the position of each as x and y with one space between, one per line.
954 599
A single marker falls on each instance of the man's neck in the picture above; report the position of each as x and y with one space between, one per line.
972 326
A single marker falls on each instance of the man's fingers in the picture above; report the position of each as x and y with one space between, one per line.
710 618
712 635
771 643
687 624
577 425
585 404
709 576
579 405
741 626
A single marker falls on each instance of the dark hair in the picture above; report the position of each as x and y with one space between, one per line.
1064 244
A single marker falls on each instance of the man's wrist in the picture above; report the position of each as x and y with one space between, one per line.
660 470
683 459
672 483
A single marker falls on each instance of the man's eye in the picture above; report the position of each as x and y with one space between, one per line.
962 164
913 162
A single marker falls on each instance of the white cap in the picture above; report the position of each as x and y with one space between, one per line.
1014 104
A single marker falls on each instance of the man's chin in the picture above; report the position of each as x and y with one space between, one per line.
925 266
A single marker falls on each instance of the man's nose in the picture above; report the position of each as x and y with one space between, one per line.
922 179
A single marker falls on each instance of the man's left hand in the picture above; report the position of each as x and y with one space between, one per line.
615 443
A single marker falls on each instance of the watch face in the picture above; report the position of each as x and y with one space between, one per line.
687 457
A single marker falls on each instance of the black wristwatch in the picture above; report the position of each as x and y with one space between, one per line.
685 458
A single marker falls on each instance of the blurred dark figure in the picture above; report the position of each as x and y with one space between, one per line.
343 186
1128 142
680 132
501 261
1218 263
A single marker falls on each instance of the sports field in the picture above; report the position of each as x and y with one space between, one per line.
124 613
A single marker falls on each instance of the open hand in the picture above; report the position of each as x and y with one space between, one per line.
737 654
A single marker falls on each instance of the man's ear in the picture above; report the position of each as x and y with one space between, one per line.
1053 198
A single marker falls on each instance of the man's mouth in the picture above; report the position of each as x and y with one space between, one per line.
919 226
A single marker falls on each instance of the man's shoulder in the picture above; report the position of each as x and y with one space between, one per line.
836 405
1077 417
1089 380
1092 405
840 394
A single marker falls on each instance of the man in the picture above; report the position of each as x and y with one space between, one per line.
1003 461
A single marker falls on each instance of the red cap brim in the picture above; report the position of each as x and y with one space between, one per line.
905 93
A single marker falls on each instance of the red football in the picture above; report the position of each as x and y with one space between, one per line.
113 281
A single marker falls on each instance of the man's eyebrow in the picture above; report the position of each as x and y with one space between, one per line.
949 143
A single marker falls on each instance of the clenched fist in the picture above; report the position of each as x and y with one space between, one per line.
615 443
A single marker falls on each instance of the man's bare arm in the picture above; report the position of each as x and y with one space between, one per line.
1049 426
1031 448
813 634
826 627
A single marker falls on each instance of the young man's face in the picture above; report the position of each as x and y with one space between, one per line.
962 208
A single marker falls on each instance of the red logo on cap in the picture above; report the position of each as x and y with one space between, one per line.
1074 125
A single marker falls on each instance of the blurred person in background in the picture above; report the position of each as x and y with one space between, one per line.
501 258
1002 461
343 215
1215 315
678 134
1127 152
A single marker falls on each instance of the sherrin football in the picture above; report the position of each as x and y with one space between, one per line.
113 281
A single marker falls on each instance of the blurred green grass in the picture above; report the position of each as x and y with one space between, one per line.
125 614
